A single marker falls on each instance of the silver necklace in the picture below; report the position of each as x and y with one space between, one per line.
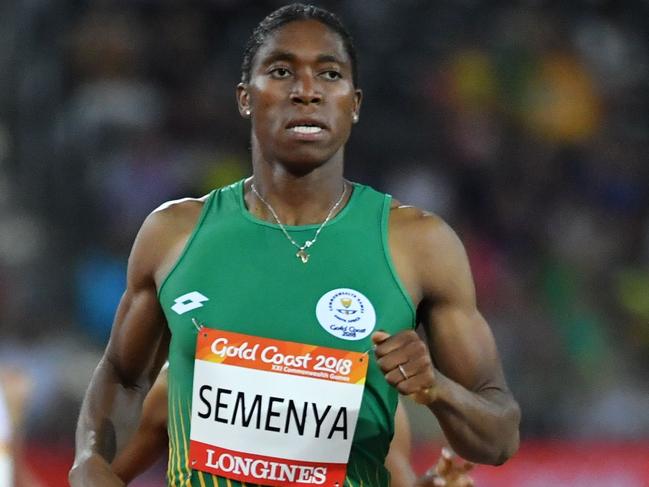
301 253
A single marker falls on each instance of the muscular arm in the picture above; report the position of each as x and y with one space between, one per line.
445 473
398 459
464 383
136 350
471 400
150 440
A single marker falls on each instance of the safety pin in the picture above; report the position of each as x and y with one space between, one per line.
371 349
198 325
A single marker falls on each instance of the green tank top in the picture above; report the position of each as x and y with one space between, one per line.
239 273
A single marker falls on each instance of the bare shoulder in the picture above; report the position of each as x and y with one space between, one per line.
432 250
163 235
181 211
426 232
171 220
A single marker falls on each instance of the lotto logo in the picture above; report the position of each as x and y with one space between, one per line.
188 302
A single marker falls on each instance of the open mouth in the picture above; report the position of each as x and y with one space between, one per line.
306 126
306 129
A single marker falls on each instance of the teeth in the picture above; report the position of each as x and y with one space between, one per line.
306 129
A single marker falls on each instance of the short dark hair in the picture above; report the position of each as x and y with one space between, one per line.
291 13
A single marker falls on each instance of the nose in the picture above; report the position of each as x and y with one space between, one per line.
305 90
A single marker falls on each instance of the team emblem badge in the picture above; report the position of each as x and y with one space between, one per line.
346 313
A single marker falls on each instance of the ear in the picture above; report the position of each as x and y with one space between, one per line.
358 98
243 100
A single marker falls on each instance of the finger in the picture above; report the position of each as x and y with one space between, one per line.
409 384
466 466
410 351
464 481
408 369
379 337
385 343
392 343
439 482
391 362
445 463
427 480
438 468
422 383
431 472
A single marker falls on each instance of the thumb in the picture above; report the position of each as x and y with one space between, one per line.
445 462
379 336
467 466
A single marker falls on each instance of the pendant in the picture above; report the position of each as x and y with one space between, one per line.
302 255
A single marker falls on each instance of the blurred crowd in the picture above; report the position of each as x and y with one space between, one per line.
524 124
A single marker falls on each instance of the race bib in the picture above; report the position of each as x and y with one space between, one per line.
274 412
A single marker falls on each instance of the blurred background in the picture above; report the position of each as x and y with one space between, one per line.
524 124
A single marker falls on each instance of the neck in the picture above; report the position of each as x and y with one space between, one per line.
302 199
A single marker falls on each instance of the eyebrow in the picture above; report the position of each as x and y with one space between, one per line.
328 58
275 56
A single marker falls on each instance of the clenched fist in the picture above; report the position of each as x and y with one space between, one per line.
406 364
447 473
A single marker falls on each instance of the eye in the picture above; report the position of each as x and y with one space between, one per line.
280 73
332 75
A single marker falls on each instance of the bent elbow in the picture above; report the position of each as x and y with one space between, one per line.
511 439
507 452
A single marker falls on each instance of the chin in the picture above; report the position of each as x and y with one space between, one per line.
302 167
305 161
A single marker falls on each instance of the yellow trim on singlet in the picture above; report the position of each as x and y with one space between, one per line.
188 472
169 457
201 479
173 412
172 451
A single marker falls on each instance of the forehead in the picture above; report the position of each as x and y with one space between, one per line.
305 39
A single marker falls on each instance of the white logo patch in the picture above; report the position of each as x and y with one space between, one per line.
346 314
188 302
